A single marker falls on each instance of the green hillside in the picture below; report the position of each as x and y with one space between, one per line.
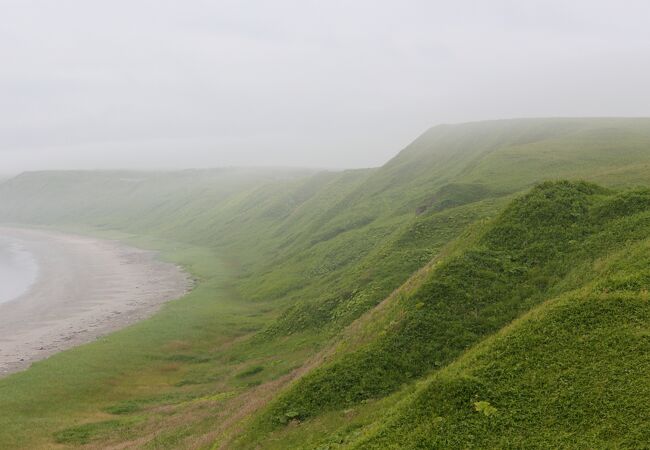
444 300
552 378
570 373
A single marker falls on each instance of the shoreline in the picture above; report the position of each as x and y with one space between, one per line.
18 269
86 288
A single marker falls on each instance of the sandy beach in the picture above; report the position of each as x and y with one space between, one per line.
85 288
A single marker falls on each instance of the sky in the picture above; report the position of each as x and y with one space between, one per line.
163 84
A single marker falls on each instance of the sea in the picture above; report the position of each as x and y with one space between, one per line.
18 269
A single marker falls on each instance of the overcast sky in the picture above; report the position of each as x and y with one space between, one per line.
191 83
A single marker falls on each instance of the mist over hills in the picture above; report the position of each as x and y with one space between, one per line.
485 288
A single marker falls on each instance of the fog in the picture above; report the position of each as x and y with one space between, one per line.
176 84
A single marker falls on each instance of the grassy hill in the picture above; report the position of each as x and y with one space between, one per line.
567 373
402 306
570 373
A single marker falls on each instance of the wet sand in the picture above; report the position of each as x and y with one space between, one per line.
85 288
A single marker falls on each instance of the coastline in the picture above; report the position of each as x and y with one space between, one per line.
18 269
85 288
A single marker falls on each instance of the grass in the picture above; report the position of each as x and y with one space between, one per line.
571 373
559 251
465 298
288 336
133 361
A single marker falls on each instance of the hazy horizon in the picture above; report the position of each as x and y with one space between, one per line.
154 168
176 85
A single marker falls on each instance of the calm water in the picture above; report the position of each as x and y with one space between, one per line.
18 269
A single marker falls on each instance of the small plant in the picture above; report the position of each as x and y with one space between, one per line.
485 408
292 415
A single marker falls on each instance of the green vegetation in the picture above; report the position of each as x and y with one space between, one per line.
467 297
572 373
449 299
559 251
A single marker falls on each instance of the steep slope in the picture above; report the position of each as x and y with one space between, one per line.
572 373
289 260
510 155
577 249
510 268
451 166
